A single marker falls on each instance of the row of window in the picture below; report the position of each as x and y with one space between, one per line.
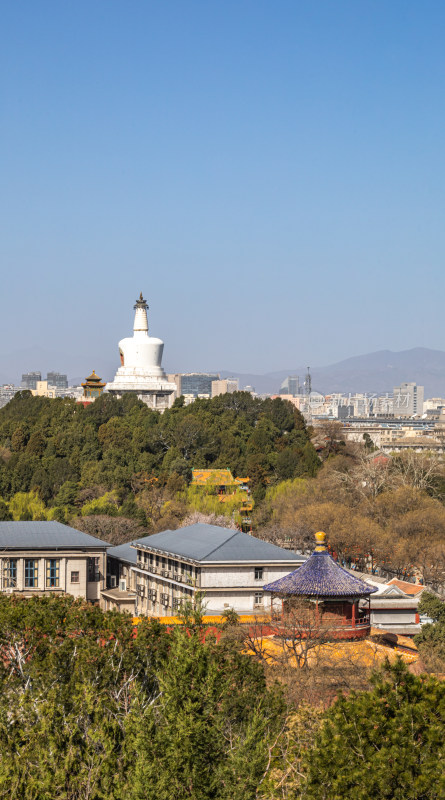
52 581
160 592
150 561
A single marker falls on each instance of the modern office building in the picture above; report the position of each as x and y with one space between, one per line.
225 386
408 400
291 385
57 380
29 380
195 384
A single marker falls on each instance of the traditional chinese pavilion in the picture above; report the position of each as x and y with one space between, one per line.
339 599
228 489
92 388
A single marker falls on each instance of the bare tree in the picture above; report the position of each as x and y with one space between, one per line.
419 470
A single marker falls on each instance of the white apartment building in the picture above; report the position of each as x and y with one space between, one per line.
227 566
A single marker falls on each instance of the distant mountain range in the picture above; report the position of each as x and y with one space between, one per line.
374 372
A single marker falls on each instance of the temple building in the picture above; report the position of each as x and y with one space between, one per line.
338 602
92 388
141 370
234 492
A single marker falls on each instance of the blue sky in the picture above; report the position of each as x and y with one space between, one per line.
270 174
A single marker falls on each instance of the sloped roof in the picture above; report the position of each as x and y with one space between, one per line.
93 378
392 591
210 543
215 477
406 586
45 536
125 552
321 576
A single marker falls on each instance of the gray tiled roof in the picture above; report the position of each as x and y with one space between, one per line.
123 551
45 536
211 543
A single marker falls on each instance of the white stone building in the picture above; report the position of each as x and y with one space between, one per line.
227 566
50 558
141 369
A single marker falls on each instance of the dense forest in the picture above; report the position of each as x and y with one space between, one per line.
96 708
58 459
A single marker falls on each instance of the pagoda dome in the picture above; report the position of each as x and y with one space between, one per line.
320 576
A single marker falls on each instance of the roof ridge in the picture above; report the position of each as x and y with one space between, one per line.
235 533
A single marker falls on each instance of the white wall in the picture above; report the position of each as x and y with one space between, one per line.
228 576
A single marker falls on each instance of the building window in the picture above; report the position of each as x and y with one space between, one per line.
258 599
53 573
258 573
9 573
93 569
31 573
74 577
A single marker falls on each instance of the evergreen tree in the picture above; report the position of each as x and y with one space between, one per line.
206 732
386 743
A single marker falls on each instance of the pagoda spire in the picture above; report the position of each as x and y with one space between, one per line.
140 326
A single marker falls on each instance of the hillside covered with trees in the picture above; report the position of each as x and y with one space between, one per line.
117 458
119 470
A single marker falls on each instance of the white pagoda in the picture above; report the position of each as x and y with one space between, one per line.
141 370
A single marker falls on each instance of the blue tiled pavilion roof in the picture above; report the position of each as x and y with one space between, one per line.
320 576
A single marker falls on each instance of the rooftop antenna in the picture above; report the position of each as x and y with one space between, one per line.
308 382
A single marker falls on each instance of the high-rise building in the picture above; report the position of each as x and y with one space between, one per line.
408 400
291 385
57 380
194 383
141 368
225 386
29 379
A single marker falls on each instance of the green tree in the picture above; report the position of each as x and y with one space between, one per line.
386 743
36 444
18 440
205 734
27 506
5 514
432 606
431 639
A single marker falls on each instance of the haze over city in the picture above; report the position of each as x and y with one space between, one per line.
271 176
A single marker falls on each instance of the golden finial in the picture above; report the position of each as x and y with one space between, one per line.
320 538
